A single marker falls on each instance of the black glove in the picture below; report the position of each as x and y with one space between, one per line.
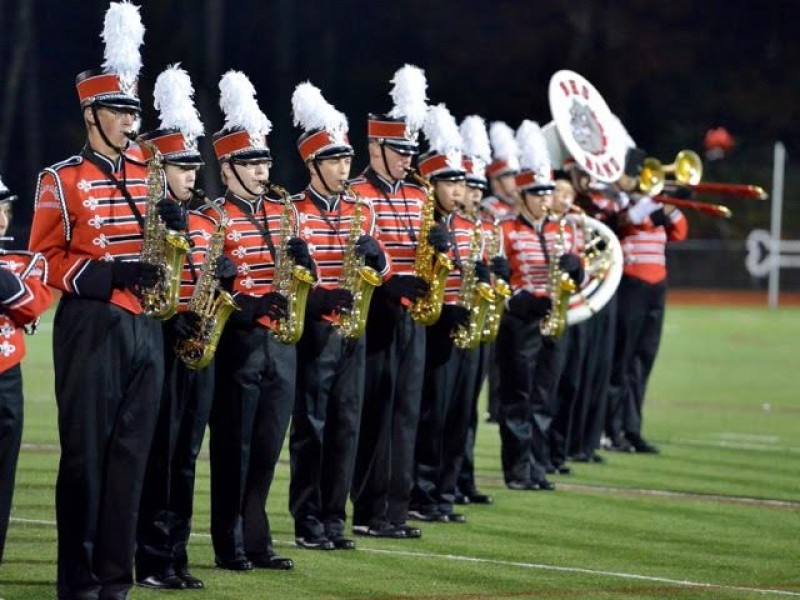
298 250
272 305
439 239
681 192
368 247
457 316
323 301
527 307
501 267
225 272
10 285
571 265
406 286
186 324
659 218
133 275
482 272
172 214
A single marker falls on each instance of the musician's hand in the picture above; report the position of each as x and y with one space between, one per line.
186 324
681 192
274 305
501 268
482 272
136 274
225 272
172 214
438 238
10 286
298 250
642 209
459 316
571 265
406 286
527 307
323 301
368 247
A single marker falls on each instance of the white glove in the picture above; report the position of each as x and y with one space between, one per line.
622 200
643 208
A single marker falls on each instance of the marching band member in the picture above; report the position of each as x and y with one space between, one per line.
165 512
255 372
644 230
24 296
501 204
339 229
450 372
395 343
531 361
88 222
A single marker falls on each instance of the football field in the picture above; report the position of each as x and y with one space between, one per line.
716 515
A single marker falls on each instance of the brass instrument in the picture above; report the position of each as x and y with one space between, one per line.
161 246
476 296
502 289
687 168
561 288
291 280
211 303
359 279
431 266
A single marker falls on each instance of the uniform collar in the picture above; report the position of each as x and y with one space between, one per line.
254 205
114 165
326 203
380 182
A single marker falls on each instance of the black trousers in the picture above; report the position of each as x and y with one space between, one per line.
324 433
450 375
466 476
570 408
11 414
395 366
109 370
528 403
640 319
493 377
165 513
253 396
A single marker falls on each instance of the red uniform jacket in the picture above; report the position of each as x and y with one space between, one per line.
82 221
500 208
398 211
643 246
461 229
24 308
200 229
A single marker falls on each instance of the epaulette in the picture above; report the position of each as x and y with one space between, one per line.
197 213
72 161
297 197
414 184
134 155
359 179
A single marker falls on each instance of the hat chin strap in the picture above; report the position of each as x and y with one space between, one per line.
315 162
386 162
239 179
103 133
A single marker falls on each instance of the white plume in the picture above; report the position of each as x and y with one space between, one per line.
312 112
533 153
172 95
443 136
123 33
622 132
503 143
238 101
410 97
3 187
475 139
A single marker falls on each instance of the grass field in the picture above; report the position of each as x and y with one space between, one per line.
716 515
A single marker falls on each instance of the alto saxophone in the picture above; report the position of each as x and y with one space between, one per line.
211 303
431 266
291 280
502 289
561 289
161 246
359 279
476 296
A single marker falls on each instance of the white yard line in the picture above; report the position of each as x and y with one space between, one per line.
732 445
524 565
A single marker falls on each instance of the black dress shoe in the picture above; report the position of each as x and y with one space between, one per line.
271 560
549 469
456 518
381 530
543 484
516 484
314 543
192 582
409 532
642 446
162 582
461 499
620 444
596 458
478 498
429 516
342 543
234 564
563 470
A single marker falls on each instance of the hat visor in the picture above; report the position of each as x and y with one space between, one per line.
189 160
476 182
334 152
251 155
449 175
402 147
119 103
538 189
8 197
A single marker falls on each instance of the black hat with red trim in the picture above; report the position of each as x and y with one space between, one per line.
115 85
324 128
243 137
399 128
444 160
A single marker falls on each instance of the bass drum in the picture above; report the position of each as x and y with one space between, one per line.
603 263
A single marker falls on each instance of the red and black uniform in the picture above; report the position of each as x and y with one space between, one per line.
531 362
26 297
253 392
499 207
641 300
108 360
330 377
166 508
395 365
450 379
